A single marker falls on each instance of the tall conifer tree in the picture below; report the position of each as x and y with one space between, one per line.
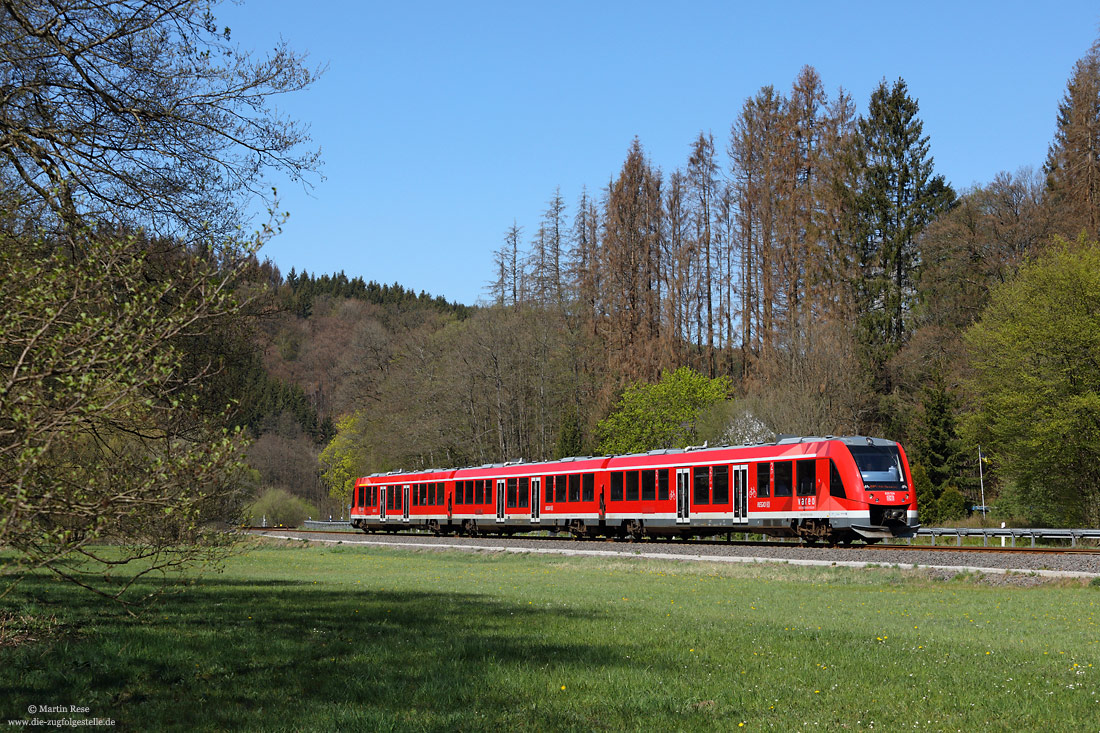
1073 163
898 197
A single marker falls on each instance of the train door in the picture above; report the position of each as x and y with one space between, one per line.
500 500
683 496
405 503
536 499
382 502
740 494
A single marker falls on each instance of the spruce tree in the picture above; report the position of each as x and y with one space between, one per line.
898 197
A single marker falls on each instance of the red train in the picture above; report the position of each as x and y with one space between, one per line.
821 489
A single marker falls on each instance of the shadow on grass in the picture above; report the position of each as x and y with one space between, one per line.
284 655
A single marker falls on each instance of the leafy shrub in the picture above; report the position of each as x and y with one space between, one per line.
951 504
279 506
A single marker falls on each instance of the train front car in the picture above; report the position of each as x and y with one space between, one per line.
880 485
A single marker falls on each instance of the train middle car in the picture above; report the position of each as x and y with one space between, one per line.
821 489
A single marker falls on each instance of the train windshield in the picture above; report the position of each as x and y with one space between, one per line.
878 464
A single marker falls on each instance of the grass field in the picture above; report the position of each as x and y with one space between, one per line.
326 638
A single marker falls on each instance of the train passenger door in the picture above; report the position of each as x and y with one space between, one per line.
500 500
683 496
382 502
536 499
405 503
740 494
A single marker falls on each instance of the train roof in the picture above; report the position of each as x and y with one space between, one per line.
574 464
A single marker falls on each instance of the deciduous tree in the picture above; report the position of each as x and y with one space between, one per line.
1035 356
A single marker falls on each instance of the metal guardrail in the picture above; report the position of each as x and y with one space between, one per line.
322 524
1073 535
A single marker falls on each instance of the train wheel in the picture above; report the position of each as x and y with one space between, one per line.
633 529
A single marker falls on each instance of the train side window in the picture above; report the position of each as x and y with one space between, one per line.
574 487
439 489
617 486
701 476
783 478
632 486
389 498
763 480
511 483
662 485
806 478
721 484
548 489
836 486
588 492
524 492
649 485
561 486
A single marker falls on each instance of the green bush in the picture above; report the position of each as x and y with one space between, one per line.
279 506
951 504
926 495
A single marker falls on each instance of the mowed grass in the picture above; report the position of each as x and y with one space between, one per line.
354 638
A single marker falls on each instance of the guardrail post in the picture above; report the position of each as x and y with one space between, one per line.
958 538
1032 538
933 539
985 540
1073 539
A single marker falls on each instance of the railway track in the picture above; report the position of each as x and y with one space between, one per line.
658 542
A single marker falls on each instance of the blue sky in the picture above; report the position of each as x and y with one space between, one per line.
441 123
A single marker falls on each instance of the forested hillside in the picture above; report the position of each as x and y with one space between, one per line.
812 255
805 270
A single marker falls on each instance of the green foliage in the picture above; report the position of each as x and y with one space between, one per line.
1035 360
570 437
898 197
304 288
346 457
927 493
951 505
279 507
101 431
661 415
936 436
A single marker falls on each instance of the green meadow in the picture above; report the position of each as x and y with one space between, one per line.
298 637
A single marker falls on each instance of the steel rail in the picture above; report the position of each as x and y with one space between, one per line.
703 542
